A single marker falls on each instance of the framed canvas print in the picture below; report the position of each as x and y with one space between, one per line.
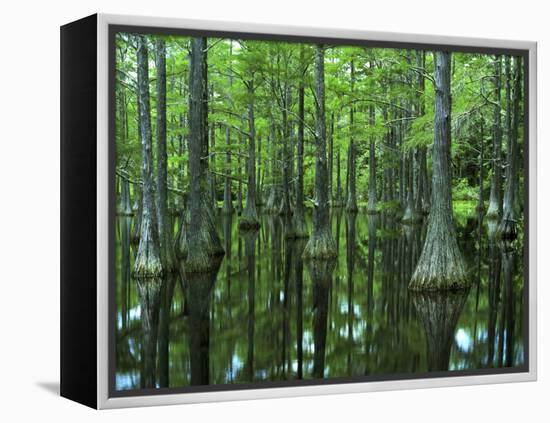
254 211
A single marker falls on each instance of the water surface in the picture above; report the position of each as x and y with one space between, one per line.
266 315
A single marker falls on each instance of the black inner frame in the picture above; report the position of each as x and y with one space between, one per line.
114 29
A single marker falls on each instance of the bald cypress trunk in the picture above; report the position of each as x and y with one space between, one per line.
124 207
508 225
148 259
203 240
338 196
285 209
351 205
249 218
410 215
495 204
299 222
372 165
227 197
441 265
212 165
165 232
423 182
320 244
331 158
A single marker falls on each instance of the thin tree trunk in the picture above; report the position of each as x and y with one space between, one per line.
212 166
338 198
331 158
299 222
165 232
249 218
227 200
495 203
372 164
423 183
508 225
351 205
285 209
480 204
124 207
227 194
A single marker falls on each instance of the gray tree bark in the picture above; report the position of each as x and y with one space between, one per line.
321 244
299 222
495 203
249 218
148 263
508 226
372 165
227 197
167 253
351 205
203 240
441 265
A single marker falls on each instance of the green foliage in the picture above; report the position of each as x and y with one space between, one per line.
463 191
269 74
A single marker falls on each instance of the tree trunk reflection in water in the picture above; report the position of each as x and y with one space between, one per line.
372 223
198 290
439 312
299 245
350 264
271 322
149 290
226 223
126 223
508 300
249 248
289 252
494 283
166 294
321 277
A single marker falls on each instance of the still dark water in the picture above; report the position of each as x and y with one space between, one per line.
265 315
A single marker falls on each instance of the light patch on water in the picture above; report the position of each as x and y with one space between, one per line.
344 307
463 340
307 339
482 335
236 363
126 380
133 314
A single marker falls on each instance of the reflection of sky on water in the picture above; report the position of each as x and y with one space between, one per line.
388 335
463 340
133 314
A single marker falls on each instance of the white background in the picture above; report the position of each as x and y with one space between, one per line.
29 208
